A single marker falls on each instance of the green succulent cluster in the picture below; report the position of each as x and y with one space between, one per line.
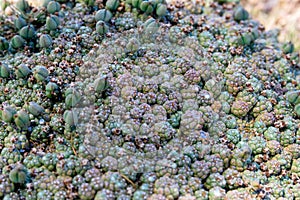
156 7
141 99
34 26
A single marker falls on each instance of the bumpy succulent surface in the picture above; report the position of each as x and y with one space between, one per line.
143 99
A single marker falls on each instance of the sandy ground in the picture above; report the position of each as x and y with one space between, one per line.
282 14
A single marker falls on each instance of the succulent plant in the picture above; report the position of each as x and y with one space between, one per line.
141 99
103 15
7 114
45 41
293 97
112 4
53 7
17 42
240 14
52 90
21 119
19 174
4 44
73 97
20 22
288 47
4 71
40 73
161 10
35 109
101 84
52 22
297 110
151 26
147 6
71 117
101 27
22 5
27 32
